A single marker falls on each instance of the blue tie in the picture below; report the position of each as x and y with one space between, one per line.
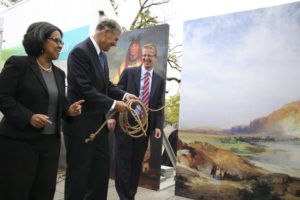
102 61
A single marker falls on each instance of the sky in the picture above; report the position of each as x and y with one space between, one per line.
240 66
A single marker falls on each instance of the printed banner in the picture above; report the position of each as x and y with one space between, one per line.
128 53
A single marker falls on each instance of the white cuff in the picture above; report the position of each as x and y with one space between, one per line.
113 106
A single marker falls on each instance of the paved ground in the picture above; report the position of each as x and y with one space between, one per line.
143 194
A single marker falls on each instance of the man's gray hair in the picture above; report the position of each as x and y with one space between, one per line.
111 24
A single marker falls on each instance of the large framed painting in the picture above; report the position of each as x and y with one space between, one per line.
239 129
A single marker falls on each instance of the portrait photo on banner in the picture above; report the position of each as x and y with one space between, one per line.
128 54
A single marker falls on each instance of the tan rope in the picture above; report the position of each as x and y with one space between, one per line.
141 126
135 131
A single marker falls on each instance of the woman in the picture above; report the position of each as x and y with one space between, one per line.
32 100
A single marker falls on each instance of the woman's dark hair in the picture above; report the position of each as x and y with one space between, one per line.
35 37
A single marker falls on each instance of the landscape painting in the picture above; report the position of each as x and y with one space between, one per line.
239 124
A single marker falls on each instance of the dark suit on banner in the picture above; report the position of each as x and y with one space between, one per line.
130 151
88 163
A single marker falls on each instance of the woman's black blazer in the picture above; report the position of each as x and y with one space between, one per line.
23 92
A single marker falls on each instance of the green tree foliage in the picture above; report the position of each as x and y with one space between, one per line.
144 17
172 109
143 20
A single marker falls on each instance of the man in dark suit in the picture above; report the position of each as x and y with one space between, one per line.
149 86
88 78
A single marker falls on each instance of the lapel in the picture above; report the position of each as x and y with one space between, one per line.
105 67
137 79
35 68
59 80
154 85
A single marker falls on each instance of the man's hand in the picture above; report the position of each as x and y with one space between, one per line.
39 120
145 167
75 108
111 124
157 133
129 96
121 107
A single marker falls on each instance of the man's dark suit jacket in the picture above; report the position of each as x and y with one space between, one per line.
88 164
23 92
130 82
130 152
87 81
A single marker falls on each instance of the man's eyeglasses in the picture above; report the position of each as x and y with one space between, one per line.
58 41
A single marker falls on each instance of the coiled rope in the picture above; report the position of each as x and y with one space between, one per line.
134 131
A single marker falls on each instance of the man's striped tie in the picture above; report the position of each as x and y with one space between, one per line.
146 91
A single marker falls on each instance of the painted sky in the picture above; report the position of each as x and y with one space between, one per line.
240 66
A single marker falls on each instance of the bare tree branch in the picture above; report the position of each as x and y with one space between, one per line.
173 57
176 46
174 79
157 3
144 8
174 65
